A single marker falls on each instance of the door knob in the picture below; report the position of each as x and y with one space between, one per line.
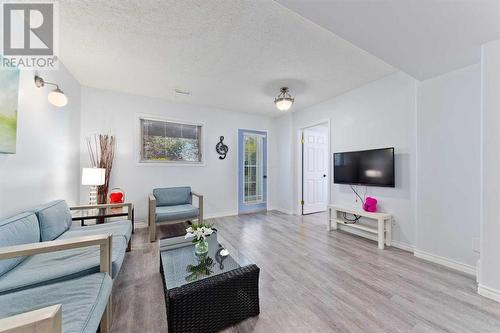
265 176
324 176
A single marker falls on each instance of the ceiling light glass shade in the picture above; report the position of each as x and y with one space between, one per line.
284 101
57 98
284 104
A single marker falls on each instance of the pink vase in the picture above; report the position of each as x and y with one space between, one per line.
370 205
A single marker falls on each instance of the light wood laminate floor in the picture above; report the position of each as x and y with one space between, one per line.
314 281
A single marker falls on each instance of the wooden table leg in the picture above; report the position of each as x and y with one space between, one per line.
388 232
334 217
331 215
381 233
329 219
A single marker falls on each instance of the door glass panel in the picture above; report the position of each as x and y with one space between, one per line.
253 167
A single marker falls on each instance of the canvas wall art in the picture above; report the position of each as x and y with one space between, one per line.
9 86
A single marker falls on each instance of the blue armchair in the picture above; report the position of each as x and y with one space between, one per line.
173 205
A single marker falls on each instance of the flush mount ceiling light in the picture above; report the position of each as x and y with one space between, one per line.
284 101
56 97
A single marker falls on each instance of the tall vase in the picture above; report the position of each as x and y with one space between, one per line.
101 149
201 247
107 147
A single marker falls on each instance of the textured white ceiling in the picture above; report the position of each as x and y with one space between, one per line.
423 38
230 54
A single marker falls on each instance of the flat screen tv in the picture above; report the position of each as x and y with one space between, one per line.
367 167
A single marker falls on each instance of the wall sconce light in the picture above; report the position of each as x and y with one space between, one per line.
56 97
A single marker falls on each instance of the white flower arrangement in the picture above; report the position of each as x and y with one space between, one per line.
199 232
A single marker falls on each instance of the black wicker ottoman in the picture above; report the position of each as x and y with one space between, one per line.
207 294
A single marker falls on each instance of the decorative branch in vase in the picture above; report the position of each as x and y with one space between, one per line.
101 148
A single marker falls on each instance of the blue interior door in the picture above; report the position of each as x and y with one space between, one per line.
252 179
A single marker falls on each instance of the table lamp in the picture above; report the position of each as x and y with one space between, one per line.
93 177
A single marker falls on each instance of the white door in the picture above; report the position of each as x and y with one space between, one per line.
315 170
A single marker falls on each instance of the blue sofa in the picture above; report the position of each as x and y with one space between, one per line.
172 205
66 267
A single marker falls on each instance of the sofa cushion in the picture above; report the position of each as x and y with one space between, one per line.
54 218
117 229
179 212
16 230
83 301
172 196
46 268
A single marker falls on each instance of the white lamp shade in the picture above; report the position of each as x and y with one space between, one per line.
93 176
57 98
284 104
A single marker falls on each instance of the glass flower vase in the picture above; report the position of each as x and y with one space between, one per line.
201 247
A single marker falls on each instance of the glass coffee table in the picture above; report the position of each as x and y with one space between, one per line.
207 293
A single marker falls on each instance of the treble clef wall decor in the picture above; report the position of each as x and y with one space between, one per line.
221 148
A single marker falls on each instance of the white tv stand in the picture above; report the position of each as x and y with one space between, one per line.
384 222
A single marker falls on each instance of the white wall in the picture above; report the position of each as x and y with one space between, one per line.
449 133
384 113
46 164
51 151
379 114
116 113
489 277
283 166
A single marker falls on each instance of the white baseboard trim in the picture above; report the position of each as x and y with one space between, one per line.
221 214
283 210
488 292
402 246
450 263
215 215
143 223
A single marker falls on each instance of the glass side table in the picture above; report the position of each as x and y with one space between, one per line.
102 211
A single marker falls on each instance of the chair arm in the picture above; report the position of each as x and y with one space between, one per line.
152 198
44 320
151 210
104 241
200 205
197 194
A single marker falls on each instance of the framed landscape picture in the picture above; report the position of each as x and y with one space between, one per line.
9 86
